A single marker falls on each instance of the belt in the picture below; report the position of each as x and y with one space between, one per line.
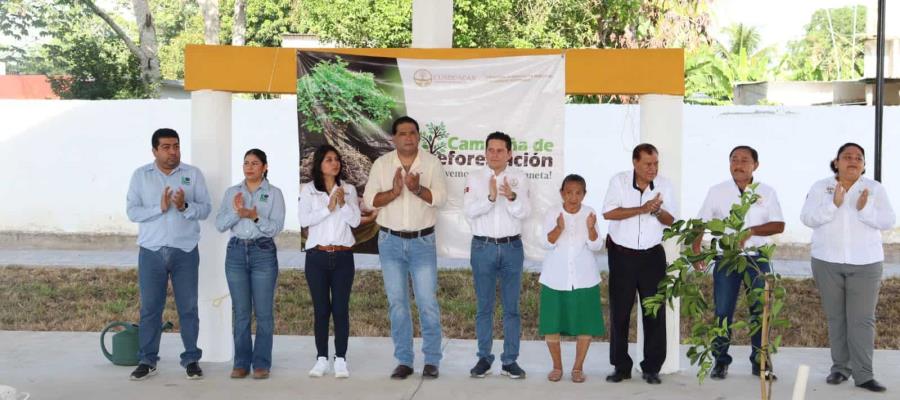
625 250
408 234
250 241
498 240
332 249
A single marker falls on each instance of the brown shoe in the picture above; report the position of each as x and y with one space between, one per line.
430 371
260 373
401 372
239 373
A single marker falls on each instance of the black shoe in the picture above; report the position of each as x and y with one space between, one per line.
430 371
770 376
513 371
401 372
481 369
872 385
835 378
618 376
719 372
193 371
143 371
651 378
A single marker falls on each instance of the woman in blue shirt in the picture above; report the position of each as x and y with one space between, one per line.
254 212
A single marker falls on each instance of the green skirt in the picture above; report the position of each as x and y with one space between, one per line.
571 312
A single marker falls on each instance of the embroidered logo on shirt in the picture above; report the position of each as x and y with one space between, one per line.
185 180
264 197
829 189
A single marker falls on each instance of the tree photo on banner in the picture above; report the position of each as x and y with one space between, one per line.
350 102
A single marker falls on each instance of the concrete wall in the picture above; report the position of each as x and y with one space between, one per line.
66 164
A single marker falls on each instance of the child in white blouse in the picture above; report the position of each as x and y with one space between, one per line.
570 277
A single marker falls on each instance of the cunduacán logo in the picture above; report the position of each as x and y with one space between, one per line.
424 77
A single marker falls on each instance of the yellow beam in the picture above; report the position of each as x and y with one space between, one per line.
588 71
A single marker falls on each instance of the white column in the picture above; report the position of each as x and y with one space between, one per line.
211 152
661 126
432 24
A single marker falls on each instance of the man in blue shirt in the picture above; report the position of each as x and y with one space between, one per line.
167 198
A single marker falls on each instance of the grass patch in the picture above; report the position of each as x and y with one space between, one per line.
88 299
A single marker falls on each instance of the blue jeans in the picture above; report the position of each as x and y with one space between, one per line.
726 288
251 268
401 258
154 270
489 262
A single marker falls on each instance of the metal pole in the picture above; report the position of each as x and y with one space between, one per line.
879 88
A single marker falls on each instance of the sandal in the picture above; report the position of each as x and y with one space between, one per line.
578 376
555 375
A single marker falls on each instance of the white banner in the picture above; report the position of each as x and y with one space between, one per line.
459 102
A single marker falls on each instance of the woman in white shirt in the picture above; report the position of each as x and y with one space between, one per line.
847 213
329 208
570 277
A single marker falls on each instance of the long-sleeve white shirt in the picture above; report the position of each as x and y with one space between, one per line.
570 263
328 228
844 234
407 212
501 217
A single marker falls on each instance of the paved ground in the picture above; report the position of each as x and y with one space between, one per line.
296 259
69 365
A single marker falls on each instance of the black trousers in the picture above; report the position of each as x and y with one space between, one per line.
330 279
633 271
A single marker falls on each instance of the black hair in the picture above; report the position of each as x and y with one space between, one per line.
643 148
573 178
403 120
499 136
261 155
841 149
163 133
752 151
318 157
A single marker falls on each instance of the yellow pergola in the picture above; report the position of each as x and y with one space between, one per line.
588 71
213 73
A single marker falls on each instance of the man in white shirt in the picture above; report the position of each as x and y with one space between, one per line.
407 186
495 203
639 205
764 219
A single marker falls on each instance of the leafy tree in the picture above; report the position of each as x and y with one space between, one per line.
352 23
266 21
831 49
330 98
682 281
83 58
711 71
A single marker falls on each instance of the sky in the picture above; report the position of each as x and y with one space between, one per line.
777 21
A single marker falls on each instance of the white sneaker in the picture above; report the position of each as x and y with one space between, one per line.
340 368
320 368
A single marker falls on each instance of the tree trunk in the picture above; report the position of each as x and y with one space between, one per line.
210 11
148 44
146 51
239 29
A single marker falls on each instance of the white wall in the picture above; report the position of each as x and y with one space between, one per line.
66 164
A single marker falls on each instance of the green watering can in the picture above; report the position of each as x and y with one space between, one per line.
124 343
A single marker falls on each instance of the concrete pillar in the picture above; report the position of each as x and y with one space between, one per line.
211 152
432 24
661 125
